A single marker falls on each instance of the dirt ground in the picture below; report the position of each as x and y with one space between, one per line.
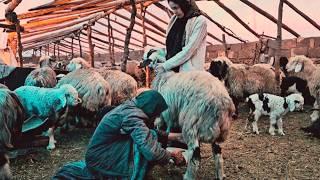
246 155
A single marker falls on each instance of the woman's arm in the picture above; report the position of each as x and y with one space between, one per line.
198 34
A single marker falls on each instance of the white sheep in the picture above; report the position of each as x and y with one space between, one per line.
41 77
273 106
123 86
94 91
242 80
47 61
77 63
200 105
47 103
304 68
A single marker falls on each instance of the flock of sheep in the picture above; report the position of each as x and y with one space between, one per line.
201 103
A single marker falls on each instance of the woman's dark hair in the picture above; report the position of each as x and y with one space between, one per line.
183 4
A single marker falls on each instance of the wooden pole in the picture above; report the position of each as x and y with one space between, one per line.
109 40
144 44
269 16
72 54
127 40
302 14
80 46
225 45
91 46
279 38
229 11
20 48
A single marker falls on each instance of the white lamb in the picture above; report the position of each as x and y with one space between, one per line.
273 106
47 103
77 63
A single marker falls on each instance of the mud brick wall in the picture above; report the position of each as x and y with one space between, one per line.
246 53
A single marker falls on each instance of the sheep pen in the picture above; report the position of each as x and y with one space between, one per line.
247 156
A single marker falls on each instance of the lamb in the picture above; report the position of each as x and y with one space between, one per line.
94 91
304 68
77 63
123 86
200 105
273 106
41 77
47 103
242 80
11 119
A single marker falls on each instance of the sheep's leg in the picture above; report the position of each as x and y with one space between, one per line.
193 158
218 160
255 122
52 141
280 129
315 114
273 122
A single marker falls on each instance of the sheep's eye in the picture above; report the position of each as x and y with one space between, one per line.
297 102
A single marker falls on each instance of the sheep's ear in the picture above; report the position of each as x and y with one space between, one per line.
60 103
298 67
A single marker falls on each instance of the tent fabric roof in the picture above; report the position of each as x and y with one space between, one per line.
65 21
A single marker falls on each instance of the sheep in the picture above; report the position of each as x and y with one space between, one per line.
273 106
77 63
137 73
47 61
123 86
41 77
94 91
47 103
200 105
294 84
242 80
304 68
11 119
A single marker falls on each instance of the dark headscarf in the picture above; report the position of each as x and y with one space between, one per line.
151 103
174 41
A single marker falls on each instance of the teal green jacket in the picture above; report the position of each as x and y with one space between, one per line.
110 150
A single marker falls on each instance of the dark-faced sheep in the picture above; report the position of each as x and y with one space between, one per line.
304 68
242 80
200 105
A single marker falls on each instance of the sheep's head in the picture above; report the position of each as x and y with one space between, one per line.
47 61
152 57
77 63
219 68
71 95
296 102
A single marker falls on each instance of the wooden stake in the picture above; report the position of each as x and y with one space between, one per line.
225 45
109 39
91 46
144 44
279 38
127 40
20 48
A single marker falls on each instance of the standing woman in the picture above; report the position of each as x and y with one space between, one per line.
186 38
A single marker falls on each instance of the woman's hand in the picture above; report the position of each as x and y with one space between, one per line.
159 69
175 137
